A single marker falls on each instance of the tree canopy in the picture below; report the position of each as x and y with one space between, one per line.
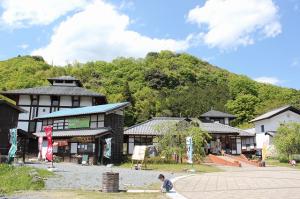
161 84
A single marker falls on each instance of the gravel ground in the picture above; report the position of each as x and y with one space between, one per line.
74 176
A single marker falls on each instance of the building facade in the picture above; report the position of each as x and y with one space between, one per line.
9 114
82 131
64 92
224 137
267 124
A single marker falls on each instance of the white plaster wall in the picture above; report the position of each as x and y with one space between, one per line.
45 100
273 123
24 116
65 101
43 111
24 100
86 101
23 126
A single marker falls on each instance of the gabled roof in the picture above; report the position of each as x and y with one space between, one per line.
158 125
85 110
217 114
275 112
3 102
53 90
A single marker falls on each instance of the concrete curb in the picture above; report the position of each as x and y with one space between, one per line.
173 194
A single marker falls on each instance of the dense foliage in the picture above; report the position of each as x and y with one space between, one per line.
174 140
161 84
287 139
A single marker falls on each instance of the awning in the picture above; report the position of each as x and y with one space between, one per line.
75 133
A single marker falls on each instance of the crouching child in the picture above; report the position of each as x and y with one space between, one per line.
167 184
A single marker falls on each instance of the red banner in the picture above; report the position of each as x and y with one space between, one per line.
49 155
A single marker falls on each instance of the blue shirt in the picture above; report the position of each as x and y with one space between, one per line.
167 185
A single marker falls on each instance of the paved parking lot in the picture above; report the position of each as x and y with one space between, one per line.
247 182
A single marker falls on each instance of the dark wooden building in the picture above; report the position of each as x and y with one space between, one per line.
9 114
82 131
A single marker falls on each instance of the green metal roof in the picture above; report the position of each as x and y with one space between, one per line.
85 110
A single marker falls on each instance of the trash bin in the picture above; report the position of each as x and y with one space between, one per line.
110 182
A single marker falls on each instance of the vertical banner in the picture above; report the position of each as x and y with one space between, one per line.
14 144
48 131
107 152
189 146
40 148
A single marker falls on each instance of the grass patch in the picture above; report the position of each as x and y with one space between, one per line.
274 162
91 195
21 178
178 167
153 186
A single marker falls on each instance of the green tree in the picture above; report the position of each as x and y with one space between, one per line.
287 139
243 107
174 136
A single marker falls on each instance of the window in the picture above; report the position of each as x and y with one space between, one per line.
76 101
54 103
59 81
34 112
69 81
262 128
34 100
32 127
97 121
86 147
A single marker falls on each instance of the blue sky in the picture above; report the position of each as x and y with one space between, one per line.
258 38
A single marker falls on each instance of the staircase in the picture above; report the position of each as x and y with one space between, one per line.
242 158
224 160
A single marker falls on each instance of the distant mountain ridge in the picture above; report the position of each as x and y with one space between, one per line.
161 84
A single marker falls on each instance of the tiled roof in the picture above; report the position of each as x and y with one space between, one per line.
150 127
68 78
3 102
73 133
276 112
54 90
214 113
85 110
218 128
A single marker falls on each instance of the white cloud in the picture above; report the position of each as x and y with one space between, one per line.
23 46
268 80
22 13
100 31
232 23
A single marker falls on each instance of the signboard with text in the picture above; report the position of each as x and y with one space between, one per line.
79 122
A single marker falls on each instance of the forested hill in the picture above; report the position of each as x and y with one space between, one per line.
161 84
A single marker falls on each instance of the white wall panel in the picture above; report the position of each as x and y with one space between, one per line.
24 100
86 101
65 101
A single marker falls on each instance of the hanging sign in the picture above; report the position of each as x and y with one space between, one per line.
107 151
189 146
13 142
49 153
